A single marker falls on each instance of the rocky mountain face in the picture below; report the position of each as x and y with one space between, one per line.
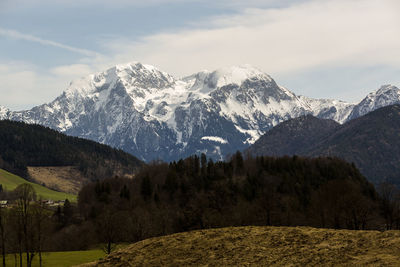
153 115
371 142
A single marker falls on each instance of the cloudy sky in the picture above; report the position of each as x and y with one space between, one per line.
319 48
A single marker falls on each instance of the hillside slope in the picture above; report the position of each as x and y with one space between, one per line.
10 181
262 246
372 142
66 179
23 145
294 136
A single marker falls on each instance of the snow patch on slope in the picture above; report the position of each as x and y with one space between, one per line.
215 139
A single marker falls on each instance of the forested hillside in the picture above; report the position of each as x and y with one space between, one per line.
197 193
372 142
23 145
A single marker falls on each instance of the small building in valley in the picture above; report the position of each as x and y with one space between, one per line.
3 203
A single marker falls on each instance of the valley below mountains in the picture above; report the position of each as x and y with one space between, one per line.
153 115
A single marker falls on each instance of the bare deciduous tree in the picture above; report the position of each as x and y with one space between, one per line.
25 195
3 235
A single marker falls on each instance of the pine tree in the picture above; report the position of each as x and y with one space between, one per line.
146 187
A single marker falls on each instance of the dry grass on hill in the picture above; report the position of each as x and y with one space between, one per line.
262 246
65 179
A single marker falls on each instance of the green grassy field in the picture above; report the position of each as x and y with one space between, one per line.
11 181
61 259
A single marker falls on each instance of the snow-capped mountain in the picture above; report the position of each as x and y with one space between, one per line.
384 96
4 112
153 115
328 108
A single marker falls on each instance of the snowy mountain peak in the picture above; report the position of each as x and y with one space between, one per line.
386 89
384 96
3 112
236 75
206 81
139 68
132 76
141 75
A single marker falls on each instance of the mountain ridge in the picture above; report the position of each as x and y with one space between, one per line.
152 115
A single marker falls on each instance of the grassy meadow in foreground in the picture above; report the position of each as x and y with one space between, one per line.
11 181
62 259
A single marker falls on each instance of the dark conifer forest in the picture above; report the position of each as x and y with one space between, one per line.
197 193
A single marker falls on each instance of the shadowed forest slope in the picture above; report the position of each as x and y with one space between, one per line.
372 142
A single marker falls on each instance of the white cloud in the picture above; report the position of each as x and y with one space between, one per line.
24 85
27 37
303 36
317 34
74 71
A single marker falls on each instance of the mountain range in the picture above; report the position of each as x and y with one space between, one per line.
371 142
153 115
